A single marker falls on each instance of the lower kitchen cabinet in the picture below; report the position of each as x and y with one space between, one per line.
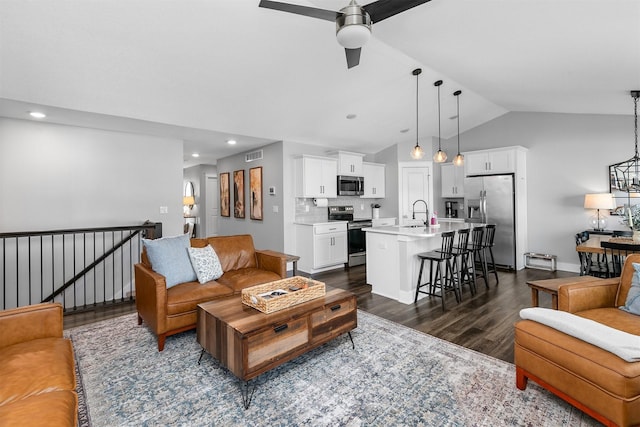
321 246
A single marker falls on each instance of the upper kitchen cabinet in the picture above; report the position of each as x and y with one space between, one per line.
374 186
452 180
350 163
316 177
488 162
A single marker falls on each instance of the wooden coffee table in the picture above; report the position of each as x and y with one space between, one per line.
551 286
249 342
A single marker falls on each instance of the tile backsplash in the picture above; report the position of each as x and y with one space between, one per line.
308 212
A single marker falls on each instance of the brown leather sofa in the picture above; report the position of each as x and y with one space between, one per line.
170 311
37 368
594 380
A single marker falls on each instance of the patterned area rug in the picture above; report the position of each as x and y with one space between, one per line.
395 376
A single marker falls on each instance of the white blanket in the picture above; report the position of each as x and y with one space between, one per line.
622 344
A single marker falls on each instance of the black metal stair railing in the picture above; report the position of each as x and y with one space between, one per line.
80 268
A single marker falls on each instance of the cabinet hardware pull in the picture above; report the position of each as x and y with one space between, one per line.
336 307
280 328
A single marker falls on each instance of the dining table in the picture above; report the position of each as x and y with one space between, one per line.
593 246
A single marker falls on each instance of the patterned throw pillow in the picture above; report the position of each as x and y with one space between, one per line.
170 258
632 304
206 263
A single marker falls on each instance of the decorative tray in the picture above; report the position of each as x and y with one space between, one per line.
281 294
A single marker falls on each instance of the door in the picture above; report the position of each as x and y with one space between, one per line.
415 185
500 210
212 206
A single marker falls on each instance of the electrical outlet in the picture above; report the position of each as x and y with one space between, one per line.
164 209
275 208
306 208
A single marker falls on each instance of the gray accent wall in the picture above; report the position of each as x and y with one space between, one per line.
268 233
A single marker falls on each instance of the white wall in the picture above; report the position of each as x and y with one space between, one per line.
56 176
569 156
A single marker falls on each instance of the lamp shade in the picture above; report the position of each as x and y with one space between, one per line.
599 201
188 200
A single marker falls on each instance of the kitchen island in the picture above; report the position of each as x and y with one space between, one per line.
392 262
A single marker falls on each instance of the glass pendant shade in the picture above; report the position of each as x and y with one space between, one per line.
440 157
417 153
458 160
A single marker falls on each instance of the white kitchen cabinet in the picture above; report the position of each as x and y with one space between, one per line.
374 180
329 245
316 177
485 162
321 246
452 180
350 163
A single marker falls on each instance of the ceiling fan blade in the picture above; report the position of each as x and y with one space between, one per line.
327 15
353 57
383 9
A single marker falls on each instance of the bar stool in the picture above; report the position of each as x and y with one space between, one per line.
439 278
490 264
477 253
463 267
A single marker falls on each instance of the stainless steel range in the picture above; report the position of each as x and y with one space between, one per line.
356 238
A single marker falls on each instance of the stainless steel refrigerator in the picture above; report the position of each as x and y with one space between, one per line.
491 199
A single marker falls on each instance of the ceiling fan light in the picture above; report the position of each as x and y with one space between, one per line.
458 160
440 157
417 153
353 36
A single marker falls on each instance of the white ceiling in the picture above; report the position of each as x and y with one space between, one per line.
209 70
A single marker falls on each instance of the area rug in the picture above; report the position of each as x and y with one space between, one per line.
394 376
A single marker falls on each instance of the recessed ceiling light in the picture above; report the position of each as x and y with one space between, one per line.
351 116
195 155
37 114
231 141
404 130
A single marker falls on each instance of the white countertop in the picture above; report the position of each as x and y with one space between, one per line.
319 222
403 230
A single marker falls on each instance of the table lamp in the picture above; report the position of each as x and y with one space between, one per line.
599 201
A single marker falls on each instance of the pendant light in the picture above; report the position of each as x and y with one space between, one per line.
458 160
440 156
626 175
417 153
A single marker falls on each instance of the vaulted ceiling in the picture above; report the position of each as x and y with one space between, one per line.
210 70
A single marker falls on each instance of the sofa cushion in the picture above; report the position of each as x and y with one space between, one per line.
234 252
206 263
622 344
245 277
55 408
169 257
185 297
34 367
614 318
632 303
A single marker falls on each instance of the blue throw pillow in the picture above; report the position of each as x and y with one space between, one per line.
169 257
632 304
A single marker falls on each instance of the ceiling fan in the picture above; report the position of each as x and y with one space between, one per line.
353 22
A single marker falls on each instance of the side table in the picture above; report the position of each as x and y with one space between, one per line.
551 286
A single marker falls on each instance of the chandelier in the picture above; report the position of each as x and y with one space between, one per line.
626 175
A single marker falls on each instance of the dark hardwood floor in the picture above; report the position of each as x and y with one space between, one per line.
483 323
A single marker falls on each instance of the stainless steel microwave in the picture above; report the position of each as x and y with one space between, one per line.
350 185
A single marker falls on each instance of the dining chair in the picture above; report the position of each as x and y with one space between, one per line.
618 251
588 267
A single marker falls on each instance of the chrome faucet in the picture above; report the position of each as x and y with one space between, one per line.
426 208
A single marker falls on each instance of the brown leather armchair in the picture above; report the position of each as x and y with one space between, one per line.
170 311
592 379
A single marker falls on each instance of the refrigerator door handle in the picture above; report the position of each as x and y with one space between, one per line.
484 206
